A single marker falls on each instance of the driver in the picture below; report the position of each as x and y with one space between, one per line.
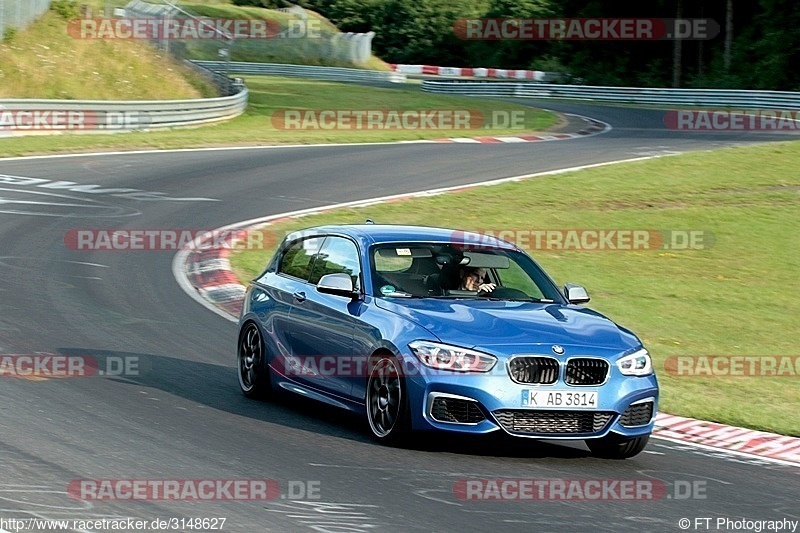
472 279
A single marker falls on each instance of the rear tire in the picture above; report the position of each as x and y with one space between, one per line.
616 447
252 366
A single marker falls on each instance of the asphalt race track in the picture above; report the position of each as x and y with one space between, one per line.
183 417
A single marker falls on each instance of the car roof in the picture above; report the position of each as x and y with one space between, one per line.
368 234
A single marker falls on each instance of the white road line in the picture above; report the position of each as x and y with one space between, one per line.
90 264
267 147
219 149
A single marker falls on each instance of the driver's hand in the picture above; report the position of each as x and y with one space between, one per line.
486 287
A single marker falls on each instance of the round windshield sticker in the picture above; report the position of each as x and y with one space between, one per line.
387 289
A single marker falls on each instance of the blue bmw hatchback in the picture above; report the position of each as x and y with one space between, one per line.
434 329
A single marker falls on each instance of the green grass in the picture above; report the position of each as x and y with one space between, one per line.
268 94
43 61
319 49
735 298
296 50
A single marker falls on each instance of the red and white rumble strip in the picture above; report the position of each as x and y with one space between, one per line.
500 73
713 435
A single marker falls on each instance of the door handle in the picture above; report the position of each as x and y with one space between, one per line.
300 296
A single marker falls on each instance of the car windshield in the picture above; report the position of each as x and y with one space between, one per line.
445 270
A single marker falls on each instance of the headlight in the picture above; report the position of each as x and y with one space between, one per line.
636 364
446 357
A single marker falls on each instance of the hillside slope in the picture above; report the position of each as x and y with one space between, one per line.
44 61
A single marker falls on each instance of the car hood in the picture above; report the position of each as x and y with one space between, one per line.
493 325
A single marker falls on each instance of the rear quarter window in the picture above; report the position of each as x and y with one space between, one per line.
298 259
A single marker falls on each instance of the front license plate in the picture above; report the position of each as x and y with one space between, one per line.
559 398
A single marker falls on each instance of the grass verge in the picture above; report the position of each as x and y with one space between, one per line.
312 41
268 94
732 298
44 61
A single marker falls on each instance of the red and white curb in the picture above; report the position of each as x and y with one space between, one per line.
209 272
206 276
746 442
497 73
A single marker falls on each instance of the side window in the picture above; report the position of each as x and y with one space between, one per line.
299 258
338 255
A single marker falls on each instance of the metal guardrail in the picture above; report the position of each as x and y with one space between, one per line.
303 71
31 116
40 116
225 85
627 95
54 116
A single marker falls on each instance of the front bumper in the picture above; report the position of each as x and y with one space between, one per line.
476 403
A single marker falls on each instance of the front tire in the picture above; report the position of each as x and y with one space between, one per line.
387 401
252 364
615 447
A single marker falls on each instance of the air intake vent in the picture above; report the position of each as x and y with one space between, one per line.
638 414
532 422
456 410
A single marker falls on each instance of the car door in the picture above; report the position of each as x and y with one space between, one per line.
323 325
285 285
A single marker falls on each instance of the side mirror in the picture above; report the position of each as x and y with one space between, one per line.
340 284
576 294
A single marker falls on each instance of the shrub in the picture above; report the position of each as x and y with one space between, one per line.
67 9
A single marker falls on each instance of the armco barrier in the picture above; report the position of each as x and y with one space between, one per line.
108 116
303 71
17 116
626 95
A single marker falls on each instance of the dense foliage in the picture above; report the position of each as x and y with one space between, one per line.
762 53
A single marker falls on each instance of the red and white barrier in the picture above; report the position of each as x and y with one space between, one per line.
430 70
